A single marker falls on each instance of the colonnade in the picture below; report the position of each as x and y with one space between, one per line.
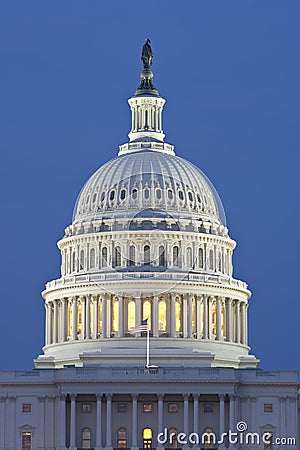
102 316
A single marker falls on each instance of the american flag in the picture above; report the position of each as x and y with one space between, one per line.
142 327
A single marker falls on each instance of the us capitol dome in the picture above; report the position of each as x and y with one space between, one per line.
148 242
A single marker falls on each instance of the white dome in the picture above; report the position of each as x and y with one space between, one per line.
152 183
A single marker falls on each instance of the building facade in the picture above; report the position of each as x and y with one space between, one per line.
148 244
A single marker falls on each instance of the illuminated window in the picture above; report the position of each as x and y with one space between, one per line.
161 256
131 315
173 435
175 255
208 438
201 258
26 408
147 438
162 316
91 318
147 312
81 260
104 257
79 319
223 320
214 318
115 316
173 407
268 439
92 258
132 255
146 255
118 256
178 316
122 437
100 317
70 319
268 408
86 438
147 407
26 440
211 259
193 316
189 259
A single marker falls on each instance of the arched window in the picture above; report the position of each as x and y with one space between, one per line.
131 255
73 262
201 258
122 438
219 262
147 438
173 437
193 316
79 319
147 193
161 256
146 255
189 258
26 440
70 320
214 319
158 194
92 258
100 316
211 259
170 194
223 319
268 439
123 194
115 316
104 257
81 260
86 438
134 194
112 195
175 256
178 316
162 316
118 256
131 315
147 312
208 438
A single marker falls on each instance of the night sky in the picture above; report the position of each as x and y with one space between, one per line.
230 71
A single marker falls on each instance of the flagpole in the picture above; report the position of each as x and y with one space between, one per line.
148 347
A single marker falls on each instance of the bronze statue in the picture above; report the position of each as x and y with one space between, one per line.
147 54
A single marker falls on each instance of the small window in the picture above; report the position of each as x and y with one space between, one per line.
173 438
86 407
161 256
118 258
208 407
92 258
26 440
268 407
170 194
199 198
173 407
134 194
26 408
146 255
102 197
268 439
123 194
201 258
112 195
158 194
190 197
175 255
147 194
122 438
86 438
131 255
104 255
73 262
122 407
211 260
147 407
180 195
94 197
81 259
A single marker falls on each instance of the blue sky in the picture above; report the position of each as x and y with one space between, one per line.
230 73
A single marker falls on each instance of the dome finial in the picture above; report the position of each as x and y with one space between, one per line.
146 87
147 54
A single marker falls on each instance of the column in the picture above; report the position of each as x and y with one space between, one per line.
138 311
186 414
47 324
209 308
190 316
184 316
95 316
50 330
55 331
199 318
74 319
243 313
99 422
11 425
238 322
173 314
108 420
205 306
63 336
246 324
219 319
232 424
196 413
283 430
134 420
42 400
2 421
62 421
88 317
160 413
108 315
229 319
121 315
155 316
222 418
104 328
73 422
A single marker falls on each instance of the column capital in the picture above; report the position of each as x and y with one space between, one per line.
160 396
108 396
134 396
61 397
73 397
232 397
99 397
196 396
222 397
186 396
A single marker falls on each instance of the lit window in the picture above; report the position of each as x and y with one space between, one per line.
162 316
178 316
122 435
131 315
100 317
115 316
86 438
173 435
79 319
268 439
209 439
147 407
147 312
214 319
147 438
268 408
26 440
175 255
173 407
26 408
